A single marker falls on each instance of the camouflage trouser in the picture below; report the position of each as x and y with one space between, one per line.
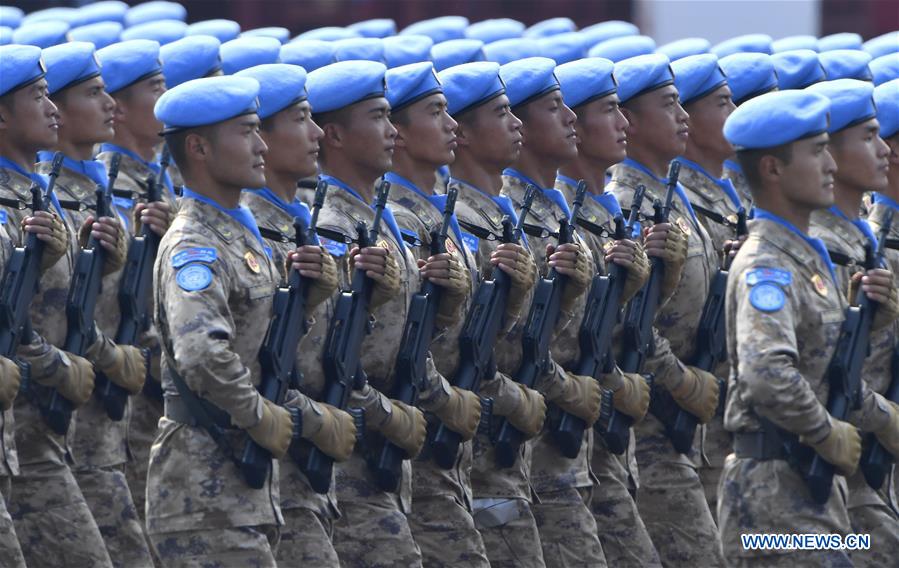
510 533
444 531
568 531
10 551
218 548
109 498
715 444
369 535
145 416
306 539
52 519
870 514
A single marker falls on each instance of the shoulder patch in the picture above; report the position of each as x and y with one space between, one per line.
767 297
194 277
470 241
776 275
335 248
197 254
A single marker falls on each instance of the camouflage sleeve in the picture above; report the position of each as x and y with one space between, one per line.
375 405
874 414
664 365
501 388
435 390
48 365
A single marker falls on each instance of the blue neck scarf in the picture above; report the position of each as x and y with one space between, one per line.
154 166
608 201
733 165
296 209
438 201
816 244
861 224
387 216
240 213
678 189
882 199
551 193
723 183
39 179
505 204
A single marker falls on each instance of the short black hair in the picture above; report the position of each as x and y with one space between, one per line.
751 159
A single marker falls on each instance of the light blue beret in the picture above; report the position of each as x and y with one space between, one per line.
563 48
127 62
190 58
792 43
495 29
328 33
697 76
224 30
5 35
586 80
156 10
245 52
344 83
11 17
280 86
105 11
207 101
439 29
843 40
310 54
886 97
409 84
851 102
69 64
359 48
777 118
406 49
20 65
528 79
508 50
277 32
846 64
625 47
639 75
162 31
603 31
377 27
62 14
749 43
470 85
685 48
885 68
41 34
550 27
456 52
748 75
100 34
797 69
882 44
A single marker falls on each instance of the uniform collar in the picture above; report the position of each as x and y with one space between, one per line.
240 214
678 189
154 166
387 216
723 183
550 193
39 179
817 244
860 223
92 169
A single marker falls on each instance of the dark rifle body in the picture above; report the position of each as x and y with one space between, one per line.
876 461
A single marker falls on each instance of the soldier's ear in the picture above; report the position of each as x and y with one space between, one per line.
121 110
770 169
399 140
462 135
333 135
196 147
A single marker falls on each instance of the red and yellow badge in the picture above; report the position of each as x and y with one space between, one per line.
820 286
251 261
684 225
450 246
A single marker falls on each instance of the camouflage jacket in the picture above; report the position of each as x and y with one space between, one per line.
9 463
705 192
734 173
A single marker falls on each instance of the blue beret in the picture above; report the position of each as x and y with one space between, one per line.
508 50
189 58
100 34
882 44
886 97
749 43
598 33
345 83
224 30
279 33
550 27
846 64
106 11
748 75
777 118
527 79
851 102
310 54
128 62
162 31
20 65
69 64
207 101
470 85
563 48
495 29
585 80
378 27
639 75
359 48
439 29
41 34
697 76
625 47
797 69
885 68
5 35
156 10
245 52
328 33
409 84
406 49
844 40
456 52
795 42
10 16
685 48
62 14
280 86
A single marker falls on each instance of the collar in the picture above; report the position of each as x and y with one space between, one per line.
438 201
39 179
505 204
92 169
154 166
733 165
387 216
678 189
861 224
551 193
240 214
725 184
607 200
816 244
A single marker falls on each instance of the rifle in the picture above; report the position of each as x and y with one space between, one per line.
538 331
876 460
595 339
343 346
478 337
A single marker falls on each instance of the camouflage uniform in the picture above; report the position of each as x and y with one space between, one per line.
734 173
671 499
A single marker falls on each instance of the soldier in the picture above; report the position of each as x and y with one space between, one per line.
785 309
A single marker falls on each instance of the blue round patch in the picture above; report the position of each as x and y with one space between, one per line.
767 297
194 277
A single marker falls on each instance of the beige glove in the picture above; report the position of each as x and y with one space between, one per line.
78 383
578 282
697 394
461 413
325 285
842 447
124 365
674 255
386 288
406 427
633 396
889 434
523 278
10 380
637 275
57 243
274 431
526 413
331 430
455 289
580 396
115 260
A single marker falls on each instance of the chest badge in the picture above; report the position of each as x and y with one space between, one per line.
450 246
251 261
820 286
383 244
684 225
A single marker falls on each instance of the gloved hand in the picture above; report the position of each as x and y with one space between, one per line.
889 434
314 263
631 256
77 384
446 271
406 427
380 266
274 431
632 398
878 286
668 242
516 261
526 413
461 413
570 259
580 396
10 380
50 229
842 447
331 430
697 393
124 365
